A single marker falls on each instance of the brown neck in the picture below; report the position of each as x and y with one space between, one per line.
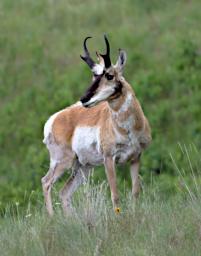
126 111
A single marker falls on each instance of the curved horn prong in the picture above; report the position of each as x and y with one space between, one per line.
87 58
85 45
106 56
107 45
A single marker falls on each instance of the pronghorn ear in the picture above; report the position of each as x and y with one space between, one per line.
121 61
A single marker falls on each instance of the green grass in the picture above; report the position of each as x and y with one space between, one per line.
164 220
149 226
41 72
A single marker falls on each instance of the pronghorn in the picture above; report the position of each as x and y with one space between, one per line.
107 126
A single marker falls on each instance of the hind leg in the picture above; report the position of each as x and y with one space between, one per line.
77 178
55 171
63 159
134 171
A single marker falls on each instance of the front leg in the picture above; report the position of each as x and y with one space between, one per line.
111 176
134 171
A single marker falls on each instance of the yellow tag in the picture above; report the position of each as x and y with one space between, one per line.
117 210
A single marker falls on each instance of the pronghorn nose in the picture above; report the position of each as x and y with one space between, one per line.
90 92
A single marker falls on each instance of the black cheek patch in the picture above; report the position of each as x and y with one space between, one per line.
118 88
117 91
92 89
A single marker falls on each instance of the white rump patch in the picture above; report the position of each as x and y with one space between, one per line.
48 126
50 121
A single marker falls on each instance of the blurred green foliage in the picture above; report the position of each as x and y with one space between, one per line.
41 72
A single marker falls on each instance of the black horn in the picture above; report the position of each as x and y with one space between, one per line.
106 56
87 58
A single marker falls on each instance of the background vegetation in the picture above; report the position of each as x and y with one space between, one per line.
41 72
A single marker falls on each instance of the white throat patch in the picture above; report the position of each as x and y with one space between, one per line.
128 123
102 95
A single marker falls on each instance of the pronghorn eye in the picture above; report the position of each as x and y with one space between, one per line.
108 76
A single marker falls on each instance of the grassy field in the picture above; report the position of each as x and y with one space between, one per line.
41 72
158 223
147 227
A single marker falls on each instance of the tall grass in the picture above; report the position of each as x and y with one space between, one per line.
149 226
41 72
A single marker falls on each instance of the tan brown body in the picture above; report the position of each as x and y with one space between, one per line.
69 119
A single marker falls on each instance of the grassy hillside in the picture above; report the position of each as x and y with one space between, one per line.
41 72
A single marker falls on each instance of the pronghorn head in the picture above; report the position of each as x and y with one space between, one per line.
106 83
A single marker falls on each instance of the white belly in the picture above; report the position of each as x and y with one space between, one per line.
86 145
